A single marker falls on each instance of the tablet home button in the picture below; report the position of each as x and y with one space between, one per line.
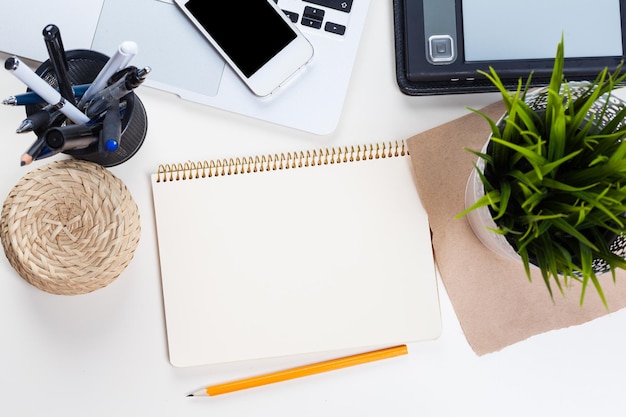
441 49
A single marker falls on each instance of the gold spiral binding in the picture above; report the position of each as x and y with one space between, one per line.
272 162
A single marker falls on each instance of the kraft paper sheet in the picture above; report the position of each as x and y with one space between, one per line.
494 302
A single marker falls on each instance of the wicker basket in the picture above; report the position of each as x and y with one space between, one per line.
70 227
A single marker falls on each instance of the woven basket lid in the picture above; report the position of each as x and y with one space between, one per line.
69 227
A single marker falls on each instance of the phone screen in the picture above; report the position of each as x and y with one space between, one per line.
249 32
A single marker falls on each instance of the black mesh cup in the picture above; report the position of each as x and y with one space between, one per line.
83 67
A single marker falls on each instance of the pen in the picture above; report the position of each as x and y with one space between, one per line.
301 371
40 120
44 118
45 90
119 60
122 83
111 129
58 60
31 97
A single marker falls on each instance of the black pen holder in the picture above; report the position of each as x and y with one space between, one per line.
83 67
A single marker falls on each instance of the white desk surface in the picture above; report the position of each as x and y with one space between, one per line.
105 354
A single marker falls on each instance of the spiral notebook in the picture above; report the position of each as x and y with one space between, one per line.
293 253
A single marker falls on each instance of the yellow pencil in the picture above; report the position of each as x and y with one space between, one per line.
300 371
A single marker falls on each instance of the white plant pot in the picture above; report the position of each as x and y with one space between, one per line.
481 220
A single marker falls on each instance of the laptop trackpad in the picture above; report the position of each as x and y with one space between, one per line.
166 41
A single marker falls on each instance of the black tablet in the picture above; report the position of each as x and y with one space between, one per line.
443 43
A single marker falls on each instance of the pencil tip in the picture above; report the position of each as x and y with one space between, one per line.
26 159
189 395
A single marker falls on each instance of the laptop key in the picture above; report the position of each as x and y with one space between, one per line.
292 16
312 17
335 28
313 13
312 23
342 5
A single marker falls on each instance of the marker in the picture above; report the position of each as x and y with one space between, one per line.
120 59
69 137
58 60
31 97
45 90
301 371
123 83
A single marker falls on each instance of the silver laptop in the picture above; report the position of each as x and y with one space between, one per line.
183 62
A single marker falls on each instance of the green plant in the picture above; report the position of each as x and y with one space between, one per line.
555 178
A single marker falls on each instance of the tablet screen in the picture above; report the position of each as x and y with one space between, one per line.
531 29
449 44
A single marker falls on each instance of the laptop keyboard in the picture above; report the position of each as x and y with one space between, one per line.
326 16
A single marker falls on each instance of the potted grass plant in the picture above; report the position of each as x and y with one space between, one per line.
549 186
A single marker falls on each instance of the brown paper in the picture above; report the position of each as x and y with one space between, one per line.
493 299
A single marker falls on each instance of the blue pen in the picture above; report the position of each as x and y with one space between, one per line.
31 97
111 133
45 90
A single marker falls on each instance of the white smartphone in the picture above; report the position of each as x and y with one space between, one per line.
254 37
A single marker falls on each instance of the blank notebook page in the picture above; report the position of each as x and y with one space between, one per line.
293 260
